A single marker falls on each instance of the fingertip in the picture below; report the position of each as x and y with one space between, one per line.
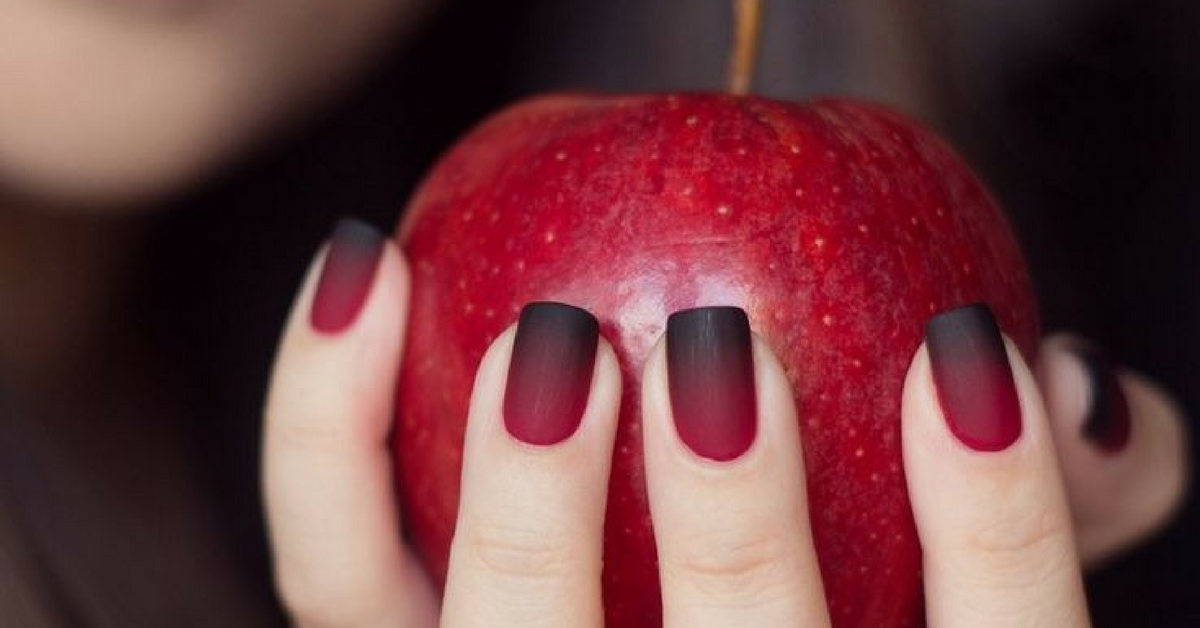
327 417
536 463
1121 446
983 480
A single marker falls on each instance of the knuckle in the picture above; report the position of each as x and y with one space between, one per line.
1022 547
517 552
315 429
743 567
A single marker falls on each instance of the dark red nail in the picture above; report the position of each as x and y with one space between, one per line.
1107 424
550 373
710 373
347 276
973 378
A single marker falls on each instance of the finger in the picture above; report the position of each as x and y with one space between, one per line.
726 480
1121 447
527 545
992 519
327 479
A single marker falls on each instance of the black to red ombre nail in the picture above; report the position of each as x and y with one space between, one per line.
346 276
550 373
710 373
973 378
1107 424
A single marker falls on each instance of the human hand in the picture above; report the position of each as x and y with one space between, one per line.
733 536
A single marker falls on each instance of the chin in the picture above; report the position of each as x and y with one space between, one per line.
118 104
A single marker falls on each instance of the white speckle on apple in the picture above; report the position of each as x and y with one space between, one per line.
799 192
863 228
856 363
519 265
489 313
687 191
692 120
741 151
819 242
560 155
549 237
859 453
827 320
597 149
724 210
914 220
795 149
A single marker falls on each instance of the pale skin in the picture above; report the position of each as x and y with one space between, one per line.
1004 538
114 106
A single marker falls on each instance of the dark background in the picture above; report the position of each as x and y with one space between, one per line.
1083 118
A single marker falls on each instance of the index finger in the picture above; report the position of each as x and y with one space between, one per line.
331 513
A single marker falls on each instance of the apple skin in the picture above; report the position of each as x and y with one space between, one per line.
839 227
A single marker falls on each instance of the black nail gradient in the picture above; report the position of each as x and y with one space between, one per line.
550 373
710 372
1107 424
347 275
973 378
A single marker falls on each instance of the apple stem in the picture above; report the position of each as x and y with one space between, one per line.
747 18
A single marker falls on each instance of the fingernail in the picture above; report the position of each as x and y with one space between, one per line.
550 372
710 373
1107 424
973 378
346 276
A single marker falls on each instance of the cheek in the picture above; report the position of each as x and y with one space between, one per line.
103 108
112 106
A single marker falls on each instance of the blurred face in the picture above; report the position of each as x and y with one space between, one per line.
107 102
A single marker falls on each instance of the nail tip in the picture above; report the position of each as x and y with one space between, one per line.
550 372
1107 424
351 228
973 378
710 375
347 275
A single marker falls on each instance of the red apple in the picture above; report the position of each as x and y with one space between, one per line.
839 227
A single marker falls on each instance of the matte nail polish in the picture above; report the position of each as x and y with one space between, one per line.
346 276
710 374
1107 424
973 378
550 372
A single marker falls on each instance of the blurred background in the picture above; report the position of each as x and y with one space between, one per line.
138 316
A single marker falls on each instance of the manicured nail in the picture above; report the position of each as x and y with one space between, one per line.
550 373
1107 424
346 276
710 373
973 378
